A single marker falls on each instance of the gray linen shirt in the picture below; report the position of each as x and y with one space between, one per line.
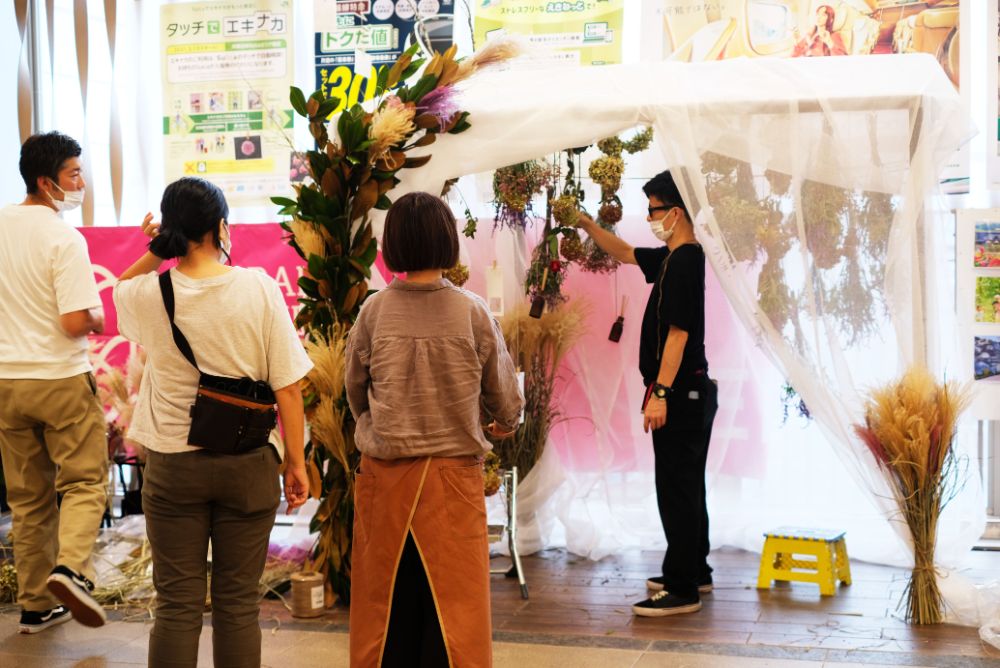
427 367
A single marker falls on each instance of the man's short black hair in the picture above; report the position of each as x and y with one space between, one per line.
662 187
44 155
419 234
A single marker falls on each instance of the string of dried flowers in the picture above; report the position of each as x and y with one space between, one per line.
458 274
514 187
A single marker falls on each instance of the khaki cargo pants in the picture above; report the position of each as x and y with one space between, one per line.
53 438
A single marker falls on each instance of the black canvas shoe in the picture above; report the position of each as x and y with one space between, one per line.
656 584
662 604
74 590
34 622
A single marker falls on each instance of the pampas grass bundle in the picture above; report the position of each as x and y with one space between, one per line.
909 429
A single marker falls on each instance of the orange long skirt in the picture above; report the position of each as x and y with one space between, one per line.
440 501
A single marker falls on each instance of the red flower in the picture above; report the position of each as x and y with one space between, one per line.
555 265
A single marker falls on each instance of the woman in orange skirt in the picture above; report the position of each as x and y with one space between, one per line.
427 366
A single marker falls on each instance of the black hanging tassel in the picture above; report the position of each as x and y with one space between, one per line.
537 307
616 330
619 325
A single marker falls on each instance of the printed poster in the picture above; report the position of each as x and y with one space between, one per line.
977 264
702 30
581 32
227 68
377 31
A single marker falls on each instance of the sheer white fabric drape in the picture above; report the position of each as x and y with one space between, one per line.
807 180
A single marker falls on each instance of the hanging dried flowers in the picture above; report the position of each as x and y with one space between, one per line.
458 275
607 172
513 189
571 247
566 210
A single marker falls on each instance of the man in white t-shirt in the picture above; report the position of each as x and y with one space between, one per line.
52 427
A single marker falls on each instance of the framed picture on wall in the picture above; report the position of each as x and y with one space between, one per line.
977 261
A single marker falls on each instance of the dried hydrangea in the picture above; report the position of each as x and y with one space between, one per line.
610 212
611 146
513 188
458 274
640 142
566 210
607 172
571 247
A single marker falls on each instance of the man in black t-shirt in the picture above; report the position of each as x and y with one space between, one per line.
680 401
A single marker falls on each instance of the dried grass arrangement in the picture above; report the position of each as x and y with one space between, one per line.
909 429
538 346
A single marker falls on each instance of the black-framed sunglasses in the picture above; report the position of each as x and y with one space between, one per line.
659 208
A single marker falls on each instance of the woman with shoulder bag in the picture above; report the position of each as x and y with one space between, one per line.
221 352
426 367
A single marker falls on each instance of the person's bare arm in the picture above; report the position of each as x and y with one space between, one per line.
292 415
83 322
610 243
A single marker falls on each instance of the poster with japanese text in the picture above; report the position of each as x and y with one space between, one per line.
227 68
381 30
578 32
703 30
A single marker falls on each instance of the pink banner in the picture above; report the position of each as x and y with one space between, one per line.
600 388
114 249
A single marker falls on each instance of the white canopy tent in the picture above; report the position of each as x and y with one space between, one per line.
808 180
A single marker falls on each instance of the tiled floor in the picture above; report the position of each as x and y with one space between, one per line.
122 644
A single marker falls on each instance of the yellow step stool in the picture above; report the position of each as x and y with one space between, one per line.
778 560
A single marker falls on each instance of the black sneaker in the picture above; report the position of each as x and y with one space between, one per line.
34 622
656 584
662 604
74 590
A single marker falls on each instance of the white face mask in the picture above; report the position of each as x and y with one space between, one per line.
657 228
226 247
71 199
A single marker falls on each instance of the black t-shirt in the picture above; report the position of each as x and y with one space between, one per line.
677 299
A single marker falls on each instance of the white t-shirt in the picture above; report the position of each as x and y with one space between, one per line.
45 272
238 326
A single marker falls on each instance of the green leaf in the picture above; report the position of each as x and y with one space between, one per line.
462 125
369 255
326 107
309 286
312 202
317 267
364 269
412 69
381 80
425 85
383 203
284 201
288 210
298 100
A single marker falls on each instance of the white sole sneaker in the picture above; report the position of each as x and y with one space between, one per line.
666 612
55 620
75 596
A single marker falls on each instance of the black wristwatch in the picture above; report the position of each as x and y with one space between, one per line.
662 391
